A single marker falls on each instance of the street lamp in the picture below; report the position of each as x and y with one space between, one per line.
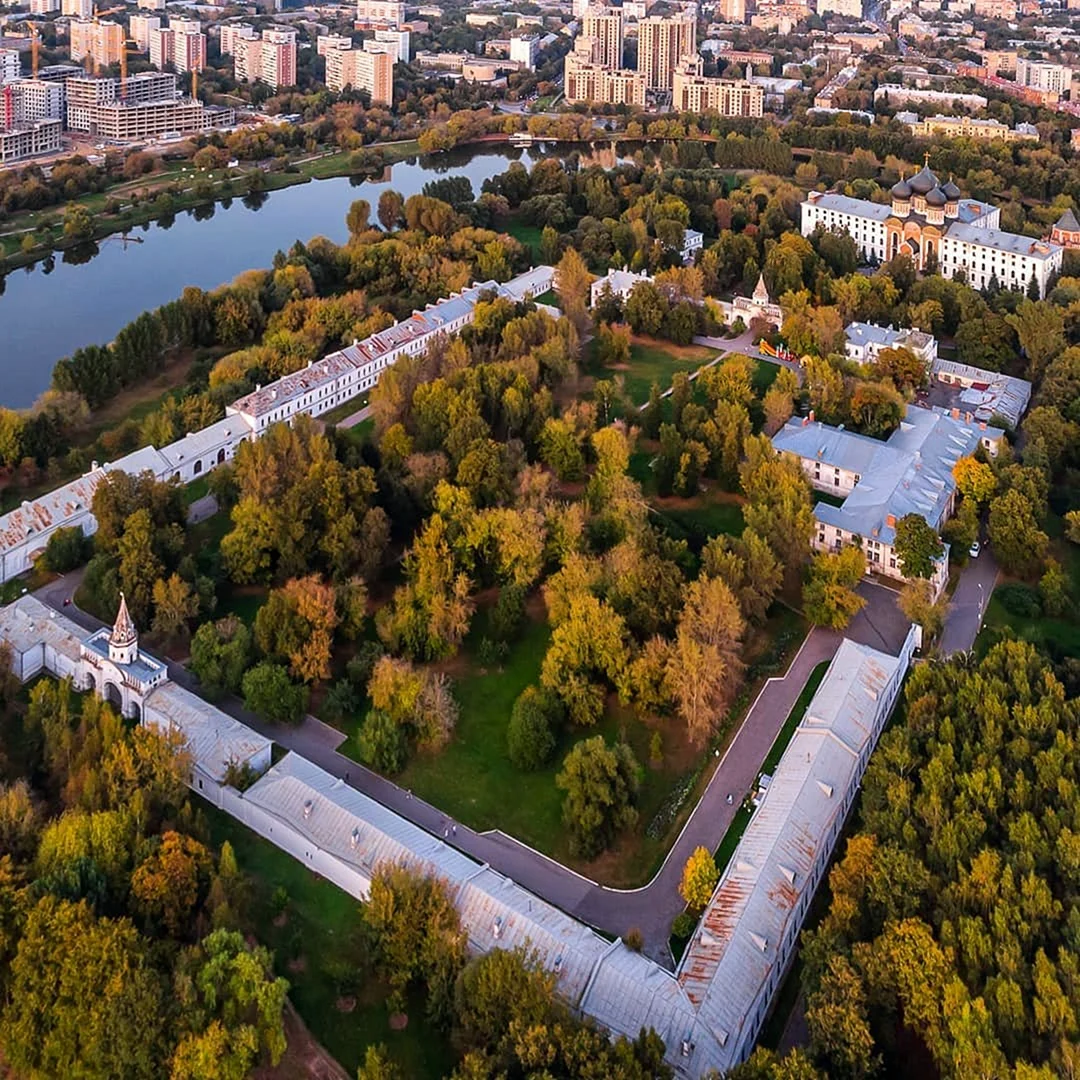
981 597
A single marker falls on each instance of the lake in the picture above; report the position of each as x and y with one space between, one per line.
46 314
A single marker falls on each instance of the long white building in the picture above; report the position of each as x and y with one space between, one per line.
322 385
927 217
709 1012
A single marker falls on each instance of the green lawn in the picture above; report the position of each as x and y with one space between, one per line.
1058 637
764 376
657 361
697 524
527 235
318 941
346 408
475 783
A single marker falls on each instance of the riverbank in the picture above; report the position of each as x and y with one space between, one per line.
131 204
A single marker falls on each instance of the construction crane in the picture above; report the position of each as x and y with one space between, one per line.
35 48
111 11
194 85
123 64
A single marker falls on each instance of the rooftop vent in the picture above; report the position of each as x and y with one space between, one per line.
686 1048
558 964
308 807
761 942
826 789
497 927
788 873
355 838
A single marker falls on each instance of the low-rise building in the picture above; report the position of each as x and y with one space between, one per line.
970 127
882 482
619 283
585 82
852 9
1066 230
30 139
984 394
866 341
759 305
728 97
895 94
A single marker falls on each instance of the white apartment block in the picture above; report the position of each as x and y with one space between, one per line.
728 97
380 13
140 28
585 82
178 46
323 43
1044 76
731 11
313 390
36 99
103 41
234 34
926 216
44 7
664 43
524 50
10 65
30 139
853 9
604 29
77 9
400 39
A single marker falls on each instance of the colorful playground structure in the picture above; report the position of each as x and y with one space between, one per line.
777 352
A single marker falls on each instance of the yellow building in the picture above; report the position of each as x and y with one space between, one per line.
663 43
967 127
728 97
585 82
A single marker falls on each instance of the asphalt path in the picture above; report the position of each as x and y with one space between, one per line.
651 908
968 605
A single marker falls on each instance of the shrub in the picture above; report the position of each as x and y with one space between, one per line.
508 614
634 940
530 740
1020 600
358 670
683 925
381 742
490 653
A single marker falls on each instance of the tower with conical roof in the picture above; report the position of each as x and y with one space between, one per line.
124 639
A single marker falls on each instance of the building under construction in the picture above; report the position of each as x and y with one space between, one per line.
138 107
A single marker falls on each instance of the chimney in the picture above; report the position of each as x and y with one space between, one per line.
956 414
812 417
890 520
982 425
968 418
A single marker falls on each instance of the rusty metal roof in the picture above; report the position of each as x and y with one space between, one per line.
761 897
47 512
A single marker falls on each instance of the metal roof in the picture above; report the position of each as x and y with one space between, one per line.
988 392
1027 246
350 826
755 904
845 204
498 913
28 623
214 739
197 443
144 669
49 511
909 473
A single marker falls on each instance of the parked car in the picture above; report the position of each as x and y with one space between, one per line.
974 550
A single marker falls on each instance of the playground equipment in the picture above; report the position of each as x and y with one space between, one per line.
779 352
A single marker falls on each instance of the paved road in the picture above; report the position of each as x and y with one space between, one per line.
357 417
201 509
744 344
964 616
650 908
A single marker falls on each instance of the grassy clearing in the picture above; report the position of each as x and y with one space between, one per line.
474 781
319 936
345 409
696 520
657 361
763 377
1057 637
527 235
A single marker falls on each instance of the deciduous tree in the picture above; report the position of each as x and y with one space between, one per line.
699 878
601 785
829 596
918 547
